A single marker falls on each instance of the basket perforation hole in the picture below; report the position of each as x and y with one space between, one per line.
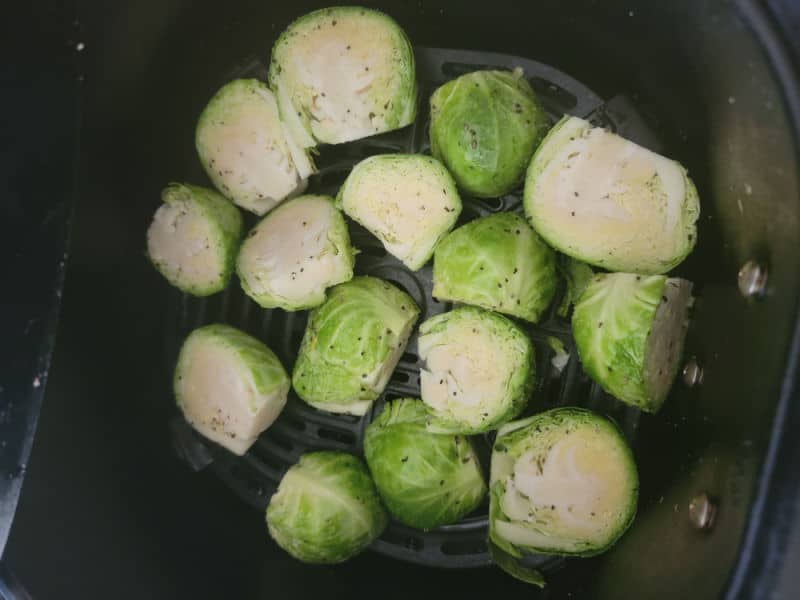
401 538
409 358
400 377
344 437
463 547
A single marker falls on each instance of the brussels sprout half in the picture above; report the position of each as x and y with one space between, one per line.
408 201
352 344
343 73
629 331
611 203
193 238
498 263
425 479
295 253
485 126
479 370
246 150
562 482
326 509
230 386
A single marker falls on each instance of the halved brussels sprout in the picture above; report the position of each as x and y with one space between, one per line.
498 263
576 276
408 201
425 479
193 238
629 331
343 73
326 509
479 370
485 126
611 203
562 482
230 386
352 344
245 149
295 253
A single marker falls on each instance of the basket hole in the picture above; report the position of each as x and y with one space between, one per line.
400 377
373 251
293 422
410 358
336 436
404 540
493 204
464 547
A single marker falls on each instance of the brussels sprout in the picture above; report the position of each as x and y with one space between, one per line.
295 253
246 150
629 331
479 370
576 275
230 386
326 509
606 201
496 262
562 482
343 73
425 479
193 239
561 356
408 201
485 126
352 344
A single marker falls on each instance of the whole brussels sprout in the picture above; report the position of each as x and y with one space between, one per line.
326 509
562 482
629 331
484 127
425 479
498 263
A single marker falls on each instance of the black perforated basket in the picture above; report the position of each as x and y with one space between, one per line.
300 428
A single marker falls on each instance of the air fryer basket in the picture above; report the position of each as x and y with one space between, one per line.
302 428
701 81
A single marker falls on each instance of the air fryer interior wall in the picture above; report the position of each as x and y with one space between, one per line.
107 508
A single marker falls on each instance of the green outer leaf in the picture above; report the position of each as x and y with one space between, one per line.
426 480
226 221
394 100
338 239
520 366
576 275
498 263
485 126
326 509
611 324
354 196
513 567
539 432
351 334
256 358
561 133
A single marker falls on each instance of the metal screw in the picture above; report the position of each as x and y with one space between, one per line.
692 373
702 511
752 279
